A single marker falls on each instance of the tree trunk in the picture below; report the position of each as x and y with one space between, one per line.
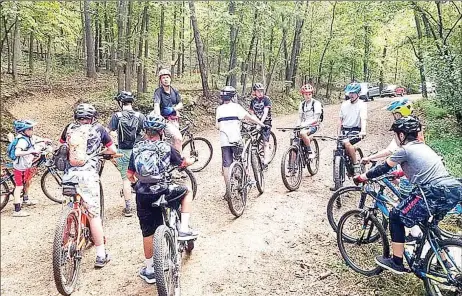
183 13
246 63
270 74
366 51
254 63
172 64
97 38
48 62
310 45
120 45
84 45
329 79
31 52
396 64
418 53
128 49
326 46
146 48
141 62
108 57
200 50
231 78
382 65
16 45
91 71
160 47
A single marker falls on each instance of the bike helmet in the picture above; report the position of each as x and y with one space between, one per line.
22 125
406 125
154 123
85 111
124 96
307 88
258 86
402 106
227 93
353 88
163 72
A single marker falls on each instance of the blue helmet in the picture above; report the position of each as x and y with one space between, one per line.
403 106
22 125
154 123
353 88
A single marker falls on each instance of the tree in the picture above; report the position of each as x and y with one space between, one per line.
91 69
199 49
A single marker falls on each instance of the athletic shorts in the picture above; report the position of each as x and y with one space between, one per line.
20 177
353 140
87 184
122 162
151 217
227 155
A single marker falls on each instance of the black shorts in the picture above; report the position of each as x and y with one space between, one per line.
354 139
227 155
151 217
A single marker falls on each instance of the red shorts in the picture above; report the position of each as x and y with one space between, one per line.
20 177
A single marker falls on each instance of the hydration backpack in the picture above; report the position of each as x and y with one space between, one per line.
79 138
11 150
321 118
127 128
151 160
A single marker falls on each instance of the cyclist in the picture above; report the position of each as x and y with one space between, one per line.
149 161
261 107
128 124
167 102
82 141
309 111
353 118
422 166
228 118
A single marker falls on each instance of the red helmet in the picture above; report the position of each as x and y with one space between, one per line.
307 88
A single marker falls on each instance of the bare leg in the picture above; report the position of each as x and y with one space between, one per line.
350 149
398 249
148 246
96 228
127 189
267 153
17 194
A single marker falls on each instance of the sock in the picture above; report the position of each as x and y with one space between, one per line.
398 260
25 197
184 222
101 251
128 204
17 207
149 265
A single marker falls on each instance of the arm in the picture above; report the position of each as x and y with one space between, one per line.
378 170
363 114
383 153
157 108
254 119
178 106
300 115
131 169
265 114
156 99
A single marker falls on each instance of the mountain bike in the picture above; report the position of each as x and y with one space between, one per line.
72 237
239 180
168 249
342 164
435 260
197 147
296 158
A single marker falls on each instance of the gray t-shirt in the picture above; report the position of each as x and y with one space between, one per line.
420 163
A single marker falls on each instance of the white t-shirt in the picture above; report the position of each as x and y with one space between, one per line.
352 114
21 163
228 120
309 112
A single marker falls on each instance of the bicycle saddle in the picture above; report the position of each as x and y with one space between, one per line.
160 202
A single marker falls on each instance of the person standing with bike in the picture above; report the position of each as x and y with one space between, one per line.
147 167
167 103
82 141
228 122
353 119
128 124
423 167
310 112
260 106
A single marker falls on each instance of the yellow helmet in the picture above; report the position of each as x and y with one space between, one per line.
402 106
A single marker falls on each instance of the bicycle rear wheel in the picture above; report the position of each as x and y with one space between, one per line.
257 171
237 189
189 180
451 250
5 193
273 145
313 163
66 258
165 258
200 148
291 168
339 172
51 183
360 252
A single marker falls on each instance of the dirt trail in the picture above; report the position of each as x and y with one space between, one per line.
281 245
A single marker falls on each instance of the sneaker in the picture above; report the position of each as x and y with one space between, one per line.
147 277
389 264
127 212
189 235
101 262
29 202
21 213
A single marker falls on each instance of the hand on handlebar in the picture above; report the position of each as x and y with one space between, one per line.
359 179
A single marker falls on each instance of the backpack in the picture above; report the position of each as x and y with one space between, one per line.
78 137
11 150
151 160
127 128
321 118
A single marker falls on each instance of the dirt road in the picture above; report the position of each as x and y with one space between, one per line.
282 244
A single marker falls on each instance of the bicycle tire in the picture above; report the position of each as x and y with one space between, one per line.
192 180
164 242
338 175
4 194
43 184
261 150
314 168
341 241
428 260
333 203
360 156
257 169
101 201
65 286
236 173
297 166
193 152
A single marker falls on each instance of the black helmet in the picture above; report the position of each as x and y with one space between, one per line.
406 125
85 111
124 96
258 86
227 93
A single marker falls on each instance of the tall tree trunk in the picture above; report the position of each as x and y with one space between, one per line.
245 68
419 55
310 42
128 49
172 66
48 61
31 51
84 45
141 62
16 44
396 64
366 51
200 50
183 16
231 78
160 47
146 48
120 44
91 71
329 79
382 65
254 63
326 46
108 57
97 37
270 74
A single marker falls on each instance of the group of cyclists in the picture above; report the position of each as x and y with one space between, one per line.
150 144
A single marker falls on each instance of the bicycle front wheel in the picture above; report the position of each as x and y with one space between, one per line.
236 189
257 171
201 149
166 270
101 202
339 172
273 145
451 225
360 249
66 257
51 183
291 168
313 163
5 193
445 280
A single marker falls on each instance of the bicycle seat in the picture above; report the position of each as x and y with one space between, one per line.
160 202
